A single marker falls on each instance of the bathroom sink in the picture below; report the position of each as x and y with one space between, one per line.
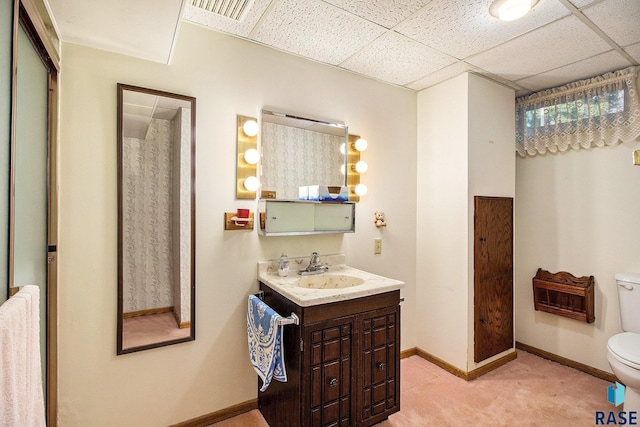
329 281
339 283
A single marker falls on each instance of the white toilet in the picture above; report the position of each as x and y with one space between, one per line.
623 350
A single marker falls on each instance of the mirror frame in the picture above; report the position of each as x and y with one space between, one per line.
192 336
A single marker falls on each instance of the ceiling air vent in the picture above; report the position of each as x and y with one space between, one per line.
232 9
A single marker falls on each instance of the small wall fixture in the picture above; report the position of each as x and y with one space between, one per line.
233 222
510 10
248 156
636 157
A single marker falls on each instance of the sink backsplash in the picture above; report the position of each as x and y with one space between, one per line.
299 263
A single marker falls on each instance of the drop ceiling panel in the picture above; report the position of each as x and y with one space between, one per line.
316 30
440 75
461 28
387 13
620 19
582 3
558 44
143 28
406 59
634 51
597 65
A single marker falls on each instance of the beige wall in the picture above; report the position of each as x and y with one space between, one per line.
228 76
578 212
465 148
442 256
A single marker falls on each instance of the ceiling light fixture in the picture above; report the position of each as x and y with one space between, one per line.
509 10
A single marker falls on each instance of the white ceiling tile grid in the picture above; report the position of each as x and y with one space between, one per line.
619 19
461 28
441 75
596 65
406 59
560 43
387 13
316 30
410 43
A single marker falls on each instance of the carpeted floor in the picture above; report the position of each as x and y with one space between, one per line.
529 391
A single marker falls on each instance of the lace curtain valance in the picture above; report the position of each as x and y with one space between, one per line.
601 111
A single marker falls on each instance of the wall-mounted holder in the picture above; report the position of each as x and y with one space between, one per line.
564 294
636 157
232 222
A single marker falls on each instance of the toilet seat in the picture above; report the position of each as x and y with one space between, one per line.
626 348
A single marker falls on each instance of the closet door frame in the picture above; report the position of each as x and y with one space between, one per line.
27 16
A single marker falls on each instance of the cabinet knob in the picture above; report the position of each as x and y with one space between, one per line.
333 382
381 366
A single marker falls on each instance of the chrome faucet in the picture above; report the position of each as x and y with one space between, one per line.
314 266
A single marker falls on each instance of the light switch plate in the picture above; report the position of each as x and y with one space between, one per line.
377 245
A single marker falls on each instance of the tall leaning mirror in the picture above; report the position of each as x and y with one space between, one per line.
156 221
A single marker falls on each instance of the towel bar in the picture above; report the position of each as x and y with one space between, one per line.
291 320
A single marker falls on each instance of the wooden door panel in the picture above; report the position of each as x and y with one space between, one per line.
494 317
330 347
493 276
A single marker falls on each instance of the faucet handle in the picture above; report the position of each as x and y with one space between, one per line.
315 258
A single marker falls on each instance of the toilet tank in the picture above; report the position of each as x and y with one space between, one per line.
629 301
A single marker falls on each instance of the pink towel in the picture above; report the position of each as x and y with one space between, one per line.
21 394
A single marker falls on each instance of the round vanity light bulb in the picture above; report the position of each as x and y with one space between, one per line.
251 183
361 144
362 166
361 189
251 156
342 148
343 169
250 128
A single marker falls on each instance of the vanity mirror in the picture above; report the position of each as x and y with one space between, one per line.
156 220
298 152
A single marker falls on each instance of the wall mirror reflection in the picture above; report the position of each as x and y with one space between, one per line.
156 222
298 151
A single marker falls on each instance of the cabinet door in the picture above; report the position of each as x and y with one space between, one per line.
327 398
334 217
287 217
493 276
379 382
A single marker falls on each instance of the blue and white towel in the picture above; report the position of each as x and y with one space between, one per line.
264 332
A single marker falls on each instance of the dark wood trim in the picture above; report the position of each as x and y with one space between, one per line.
484 369
220 415
471 375
408 353
344 308
598 373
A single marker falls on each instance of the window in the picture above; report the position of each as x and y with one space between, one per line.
600 111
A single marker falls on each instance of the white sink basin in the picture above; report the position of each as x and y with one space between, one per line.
341 282
329 281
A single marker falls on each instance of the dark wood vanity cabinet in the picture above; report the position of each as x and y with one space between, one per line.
342 361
